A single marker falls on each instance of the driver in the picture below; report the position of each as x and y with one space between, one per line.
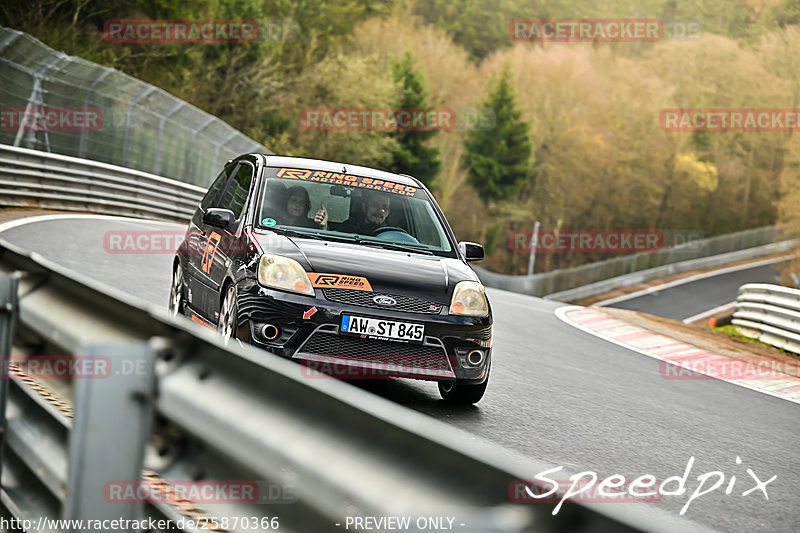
374 211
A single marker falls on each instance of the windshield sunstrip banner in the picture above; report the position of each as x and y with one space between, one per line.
334 178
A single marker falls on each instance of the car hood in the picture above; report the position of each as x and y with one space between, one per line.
390 271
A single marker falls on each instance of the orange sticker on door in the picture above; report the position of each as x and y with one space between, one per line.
209 252
339 281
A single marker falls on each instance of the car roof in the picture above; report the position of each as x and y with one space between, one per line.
332 166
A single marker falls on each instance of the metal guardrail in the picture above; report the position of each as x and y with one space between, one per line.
601 276
138 125
770 313
30 178
319 449
713 261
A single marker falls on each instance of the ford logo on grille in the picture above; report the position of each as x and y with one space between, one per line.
384 300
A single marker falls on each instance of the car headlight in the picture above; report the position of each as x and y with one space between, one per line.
283 273
469 299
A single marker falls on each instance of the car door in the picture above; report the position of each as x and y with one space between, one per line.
223 244
196 240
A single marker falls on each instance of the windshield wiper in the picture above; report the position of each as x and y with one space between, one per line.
394 246
293 233
355 238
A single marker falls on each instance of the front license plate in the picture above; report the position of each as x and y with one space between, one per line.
376 328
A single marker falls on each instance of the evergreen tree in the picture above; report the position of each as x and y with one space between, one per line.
412 156
499 159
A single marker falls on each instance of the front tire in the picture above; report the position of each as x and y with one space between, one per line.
462 393
176 292
227 324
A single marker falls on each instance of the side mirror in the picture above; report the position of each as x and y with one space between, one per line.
471 251
219 218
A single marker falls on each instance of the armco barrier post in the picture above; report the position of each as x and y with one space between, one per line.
8 315
101 448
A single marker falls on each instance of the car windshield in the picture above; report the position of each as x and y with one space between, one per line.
351 208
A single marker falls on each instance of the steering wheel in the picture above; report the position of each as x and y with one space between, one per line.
400 235
378 231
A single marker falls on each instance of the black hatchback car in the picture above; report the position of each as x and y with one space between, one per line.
338 267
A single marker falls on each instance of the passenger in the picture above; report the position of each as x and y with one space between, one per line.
298 204
375 208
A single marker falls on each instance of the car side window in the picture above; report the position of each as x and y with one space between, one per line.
422 214
238 188
209 200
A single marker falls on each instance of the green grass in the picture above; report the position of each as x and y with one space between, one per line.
731 331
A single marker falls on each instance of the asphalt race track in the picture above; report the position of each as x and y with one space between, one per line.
557 395
688 299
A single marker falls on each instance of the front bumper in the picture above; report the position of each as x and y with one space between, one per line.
309 333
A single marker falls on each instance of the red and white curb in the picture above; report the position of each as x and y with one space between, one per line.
778 377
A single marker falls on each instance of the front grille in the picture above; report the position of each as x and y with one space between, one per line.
428 356
364 299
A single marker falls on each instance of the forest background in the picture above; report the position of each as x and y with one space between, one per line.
564 133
